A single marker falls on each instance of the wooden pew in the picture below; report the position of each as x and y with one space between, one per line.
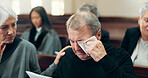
141 71
45 61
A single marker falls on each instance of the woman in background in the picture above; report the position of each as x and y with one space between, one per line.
42 34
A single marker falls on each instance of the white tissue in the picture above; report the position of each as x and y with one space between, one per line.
81 43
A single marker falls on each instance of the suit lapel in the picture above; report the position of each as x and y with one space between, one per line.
134 39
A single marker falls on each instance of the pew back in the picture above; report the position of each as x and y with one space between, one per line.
141 71
45 61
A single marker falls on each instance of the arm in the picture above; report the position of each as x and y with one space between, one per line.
49 71
2 44
33 60
124 69
117 63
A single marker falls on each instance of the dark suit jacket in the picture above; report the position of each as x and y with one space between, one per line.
104 37
130 39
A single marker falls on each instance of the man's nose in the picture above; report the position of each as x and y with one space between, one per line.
77 47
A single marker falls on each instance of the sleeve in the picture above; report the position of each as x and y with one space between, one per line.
49 71
57 42
125 41
33 61
118 70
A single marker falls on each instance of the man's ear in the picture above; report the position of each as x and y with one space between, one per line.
98 35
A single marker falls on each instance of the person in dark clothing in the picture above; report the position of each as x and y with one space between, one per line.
90 7
135 40
93 59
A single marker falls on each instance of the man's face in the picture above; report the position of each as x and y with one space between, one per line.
143 22
8 30
79 35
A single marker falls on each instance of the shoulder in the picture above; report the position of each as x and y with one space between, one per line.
133 29
26 44
26 32
115 52
104 32
69 54
52 32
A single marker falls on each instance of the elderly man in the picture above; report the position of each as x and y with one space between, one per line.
90 7
89 58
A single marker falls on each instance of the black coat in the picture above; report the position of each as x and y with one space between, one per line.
130 39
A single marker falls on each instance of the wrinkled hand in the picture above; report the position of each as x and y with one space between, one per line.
2 45
95 49
60 54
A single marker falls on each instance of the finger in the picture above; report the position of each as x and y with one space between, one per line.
65 48
60 54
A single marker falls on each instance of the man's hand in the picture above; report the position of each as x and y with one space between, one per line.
95 49
60 54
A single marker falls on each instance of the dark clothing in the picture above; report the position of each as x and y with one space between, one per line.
104 37
116 64
130 39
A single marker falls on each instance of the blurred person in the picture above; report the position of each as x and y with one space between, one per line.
42 34
89 58
135 40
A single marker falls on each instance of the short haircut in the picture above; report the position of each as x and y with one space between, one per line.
143 9
81 19
90 7
5 13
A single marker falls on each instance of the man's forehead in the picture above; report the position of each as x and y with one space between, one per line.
79 35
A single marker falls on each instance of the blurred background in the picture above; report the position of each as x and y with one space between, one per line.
115 15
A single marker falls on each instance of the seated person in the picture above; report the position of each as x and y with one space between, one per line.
90 7
95 60
42 34
17 55
135 40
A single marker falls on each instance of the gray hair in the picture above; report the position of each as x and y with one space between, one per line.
90 7
81 19
5 13
143 9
